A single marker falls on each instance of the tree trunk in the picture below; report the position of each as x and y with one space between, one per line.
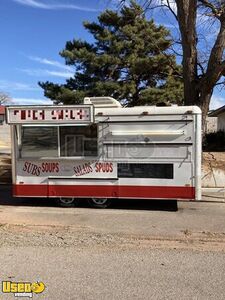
198 89
186 14
204 102
213 73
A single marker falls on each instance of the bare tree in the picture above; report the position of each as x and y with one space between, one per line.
198 86
4 98
199 78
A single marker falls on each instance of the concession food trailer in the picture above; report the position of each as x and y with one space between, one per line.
100 150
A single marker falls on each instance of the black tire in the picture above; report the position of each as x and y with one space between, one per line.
172 205
99 202
67 201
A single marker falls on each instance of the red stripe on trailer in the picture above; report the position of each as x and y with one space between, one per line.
109 191
32 190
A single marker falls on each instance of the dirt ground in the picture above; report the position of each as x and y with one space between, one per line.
81 238
214 159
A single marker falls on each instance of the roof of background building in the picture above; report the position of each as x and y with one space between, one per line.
2 110
217 112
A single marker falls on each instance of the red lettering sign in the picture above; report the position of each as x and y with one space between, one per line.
45 167
50 114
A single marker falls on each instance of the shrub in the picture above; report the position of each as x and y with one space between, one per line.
214 141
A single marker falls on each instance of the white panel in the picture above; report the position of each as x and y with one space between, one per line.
39 170
146 151
183 175
148 132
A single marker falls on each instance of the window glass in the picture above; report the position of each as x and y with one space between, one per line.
78 140
39 141
145 170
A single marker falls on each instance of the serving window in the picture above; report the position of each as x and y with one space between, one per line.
58 141
78 140
39 141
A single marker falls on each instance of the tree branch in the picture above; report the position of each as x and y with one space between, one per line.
215 11
223 64
220 83
4 98
206 3
176 53
171 10
201 67
216 64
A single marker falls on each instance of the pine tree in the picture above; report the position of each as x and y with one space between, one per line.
129 61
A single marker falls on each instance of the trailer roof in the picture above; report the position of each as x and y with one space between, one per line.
120 111
150 110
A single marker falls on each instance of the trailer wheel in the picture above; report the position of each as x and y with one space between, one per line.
66 201
99 202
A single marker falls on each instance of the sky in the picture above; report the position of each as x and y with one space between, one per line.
33 32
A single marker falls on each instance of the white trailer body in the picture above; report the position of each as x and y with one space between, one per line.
103 150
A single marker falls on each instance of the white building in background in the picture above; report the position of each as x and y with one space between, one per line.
5 141
216 120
